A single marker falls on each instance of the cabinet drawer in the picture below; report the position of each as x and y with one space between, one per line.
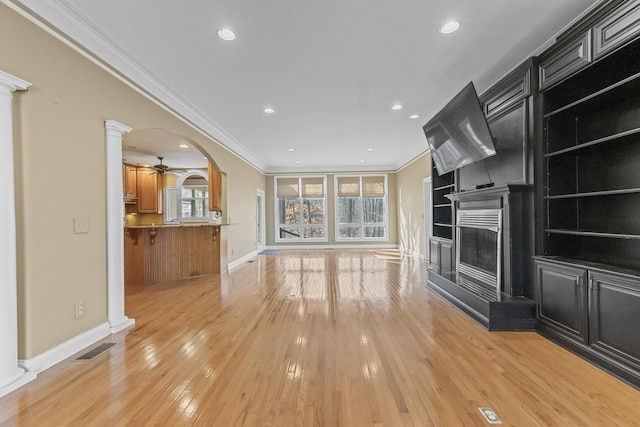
562 299
565 62
614 315
622 25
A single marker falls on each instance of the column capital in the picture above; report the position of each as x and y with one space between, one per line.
115 127
11 83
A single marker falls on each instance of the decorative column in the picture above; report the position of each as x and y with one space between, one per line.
11 375
115 228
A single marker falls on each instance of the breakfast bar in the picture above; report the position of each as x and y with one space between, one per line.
157 253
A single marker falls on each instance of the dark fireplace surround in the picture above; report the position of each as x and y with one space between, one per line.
493 249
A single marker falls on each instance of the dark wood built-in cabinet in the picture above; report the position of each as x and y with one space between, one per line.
441 258
566 128
588 268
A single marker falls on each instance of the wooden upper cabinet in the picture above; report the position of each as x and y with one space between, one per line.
215 189
620 26
129 182
148 200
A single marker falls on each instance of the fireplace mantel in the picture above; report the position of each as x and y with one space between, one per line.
513 308
489 193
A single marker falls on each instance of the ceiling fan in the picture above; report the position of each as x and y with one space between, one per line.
161 168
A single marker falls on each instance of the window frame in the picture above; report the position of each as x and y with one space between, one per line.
209 216
300 200
360 198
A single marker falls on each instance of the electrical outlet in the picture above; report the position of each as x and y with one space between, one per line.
80 225
80 310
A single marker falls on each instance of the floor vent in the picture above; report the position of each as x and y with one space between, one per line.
96 351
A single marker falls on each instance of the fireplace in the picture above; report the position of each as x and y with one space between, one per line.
479 252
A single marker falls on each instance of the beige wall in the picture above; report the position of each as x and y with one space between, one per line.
411 232
59 127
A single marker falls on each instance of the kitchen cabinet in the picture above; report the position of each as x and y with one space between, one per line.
130 183
215 189
149 189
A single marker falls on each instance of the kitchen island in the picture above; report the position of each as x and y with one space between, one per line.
157 253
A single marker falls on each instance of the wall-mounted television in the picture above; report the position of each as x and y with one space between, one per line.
459 134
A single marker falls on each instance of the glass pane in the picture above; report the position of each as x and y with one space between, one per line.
200 207
313 211
313 232
373 231
289 211
187 192
289 233
198 193
348 232
187 208
373 208
349 210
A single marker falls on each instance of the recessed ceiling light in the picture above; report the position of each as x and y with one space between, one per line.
362 161
298 162
183 146
450 27
269 110
369 149
414 116
226 34
292 149
396 107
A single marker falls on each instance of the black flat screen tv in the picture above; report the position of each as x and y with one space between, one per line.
459 134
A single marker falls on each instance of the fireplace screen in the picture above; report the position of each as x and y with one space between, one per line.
479 248
478 251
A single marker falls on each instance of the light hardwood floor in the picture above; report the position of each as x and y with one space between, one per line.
317 338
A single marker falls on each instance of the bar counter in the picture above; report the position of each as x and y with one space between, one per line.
158 252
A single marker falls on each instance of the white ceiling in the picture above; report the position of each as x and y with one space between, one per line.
331 69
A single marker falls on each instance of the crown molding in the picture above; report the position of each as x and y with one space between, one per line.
67 23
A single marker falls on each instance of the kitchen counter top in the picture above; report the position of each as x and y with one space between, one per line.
183 225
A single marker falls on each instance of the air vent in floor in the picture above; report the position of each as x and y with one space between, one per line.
96 351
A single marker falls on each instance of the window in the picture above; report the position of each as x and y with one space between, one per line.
361 207
300 208
194 198
189 199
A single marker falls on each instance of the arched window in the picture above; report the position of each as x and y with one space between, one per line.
189 199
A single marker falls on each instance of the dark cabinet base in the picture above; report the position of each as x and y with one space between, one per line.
507 314
592 311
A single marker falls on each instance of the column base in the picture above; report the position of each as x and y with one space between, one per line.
21 378
121 324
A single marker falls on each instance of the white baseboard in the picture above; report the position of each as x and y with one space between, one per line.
242 260
412 253
18 382
66 349
329 246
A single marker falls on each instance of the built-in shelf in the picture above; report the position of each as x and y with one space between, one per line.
589 144
595 194
611 94
593 234
444 187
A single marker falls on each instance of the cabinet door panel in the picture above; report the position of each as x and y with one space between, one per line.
616 29
147 180
446 258
565 62
215 189
562 299
614 315
434 256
